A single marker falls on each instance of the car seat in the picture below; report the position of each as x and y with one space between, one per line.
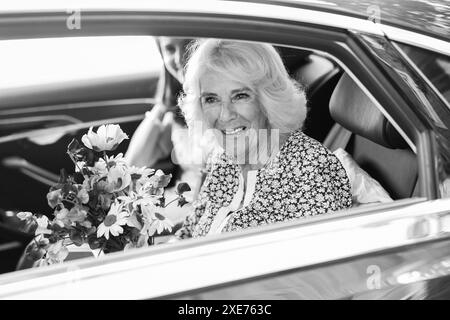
318 76
363 131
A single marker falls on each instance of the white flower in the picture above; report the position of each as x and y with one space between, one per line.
100 168
139 198
113 221
24 215
154 221
117 160
54 198
42 223
134 222
88 184
61 218
79 165
57 252
118 178
140 176
77 214
143 171
83 196
107 138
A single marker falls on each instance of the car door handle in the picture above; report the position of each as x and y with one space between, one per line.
35 172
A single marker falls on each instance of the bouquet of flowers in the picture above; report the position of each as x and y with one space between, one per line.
106 203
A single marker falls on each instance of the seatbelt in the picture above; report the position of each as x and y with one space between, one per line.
338 137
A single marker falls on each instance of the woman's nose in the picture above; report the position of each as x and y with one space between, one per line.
227 112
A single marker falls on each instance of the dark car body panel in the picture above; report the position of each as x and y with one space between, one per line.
421 16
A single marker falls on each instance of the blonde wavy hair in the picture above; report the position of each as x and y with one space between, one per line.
257 65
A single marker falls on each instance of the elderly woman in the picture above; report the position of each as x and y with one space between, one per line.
265 169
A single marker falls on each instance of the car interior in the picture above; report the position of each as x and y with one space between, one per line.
340 115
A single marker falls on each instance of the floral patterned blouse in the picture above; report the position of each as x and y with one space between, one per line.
303 179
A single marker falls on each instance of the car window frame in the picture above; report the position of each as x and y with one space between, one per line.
349 51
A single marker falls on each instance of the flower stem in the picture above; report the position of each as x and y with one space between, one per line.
76 165
171 202
101 249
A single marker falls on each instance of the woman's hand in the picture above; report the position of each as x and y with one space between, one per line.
152 139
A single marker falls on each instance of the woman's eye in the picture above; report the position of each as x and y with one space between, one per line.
209 100
241 96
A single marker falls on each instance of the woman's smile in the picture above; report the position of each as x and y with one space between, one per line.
235 131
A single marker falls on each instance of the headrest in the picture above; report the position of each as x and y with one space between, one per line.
292 57
355 111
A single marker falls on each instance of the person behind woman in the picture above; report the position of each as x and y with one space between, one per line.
242 93
160 136
152 139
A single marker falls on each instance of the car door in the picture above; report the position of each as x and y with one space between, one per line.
396 251
365 236
52 90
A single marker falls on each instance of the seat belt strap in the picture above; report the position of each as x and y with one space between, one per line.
338 137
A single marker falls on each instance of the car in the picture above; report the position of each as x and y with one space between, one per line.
377 81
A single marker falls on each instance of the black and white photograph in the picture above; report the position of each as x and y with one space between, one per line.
241 151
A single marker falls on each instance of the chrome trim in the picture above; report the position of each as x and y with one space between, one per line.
37 177
232 8
79 105
422 75
416 39
67 129
49 119
235 9
42 175
246 254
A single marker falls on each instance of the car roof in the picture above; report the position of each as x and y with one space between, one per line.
329 13
429 17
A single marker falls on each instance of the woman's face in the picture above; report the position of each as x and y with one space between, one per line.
173 54
233 110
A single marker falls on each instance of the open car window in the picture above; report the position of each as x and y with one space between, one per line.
376 175
40 62
86 69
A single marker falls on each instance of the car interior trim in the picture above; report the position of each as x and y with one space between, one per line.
416 39
200 6
48 119
427 165
67 128
31 170
78 105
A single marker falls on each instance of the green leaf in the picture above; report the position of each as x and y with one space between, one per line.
183 187
77 237
182 201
